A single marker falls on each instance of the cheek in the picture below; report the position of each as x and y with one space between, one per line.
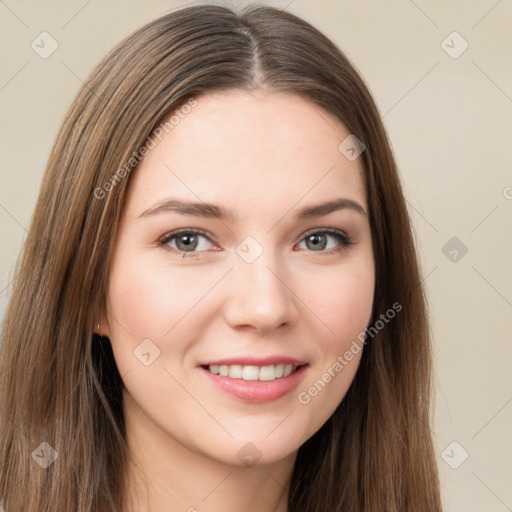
136 301
138 311
342 300
148 298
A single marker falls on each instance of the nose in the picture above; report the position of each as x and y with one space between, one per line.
261 296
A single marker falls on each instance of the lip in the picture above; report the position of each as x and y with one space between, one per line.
256 391
254 361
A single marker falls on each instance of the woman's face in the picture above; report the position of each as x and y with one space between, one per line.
206 325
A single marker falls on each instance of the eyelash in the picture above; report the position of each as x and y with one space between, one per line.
344 239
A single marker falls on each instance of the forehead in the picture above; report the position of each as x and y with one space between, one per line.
248 149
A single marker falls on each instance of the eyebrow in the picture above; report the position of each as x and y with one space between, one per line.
213 211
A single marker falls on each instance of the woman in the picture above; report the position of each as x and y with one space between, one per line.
219 304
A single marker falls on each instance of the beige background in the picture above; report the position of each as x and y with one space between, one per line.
450 123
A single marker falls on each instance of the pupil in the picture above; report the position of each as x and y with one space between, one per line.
187 240
316 241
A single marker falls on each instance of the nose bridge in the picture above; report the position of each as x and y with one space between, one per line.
260 296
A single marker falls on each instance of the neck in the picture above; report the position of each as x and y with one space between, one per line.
165 475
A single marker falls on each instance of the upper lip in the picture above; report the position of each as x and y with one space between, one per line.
255 361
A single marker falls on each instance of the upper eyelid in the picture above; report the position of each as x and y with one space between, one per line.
173 234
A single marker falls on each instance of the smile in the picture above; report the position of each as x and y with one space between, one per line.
251 372
255 383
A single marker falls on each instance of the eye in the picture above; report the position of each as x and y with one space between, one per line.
317 240
187 242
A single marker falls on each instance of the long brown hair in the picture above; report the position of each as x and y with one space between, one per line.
60 385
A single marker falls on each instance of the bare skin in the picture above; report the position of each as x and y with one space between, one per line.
264 156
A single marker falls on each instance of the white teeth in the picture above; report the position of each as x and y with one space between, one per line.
266 373
251 373
235 371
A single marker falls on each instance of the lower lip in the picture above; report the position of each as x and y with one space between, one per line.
257 391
